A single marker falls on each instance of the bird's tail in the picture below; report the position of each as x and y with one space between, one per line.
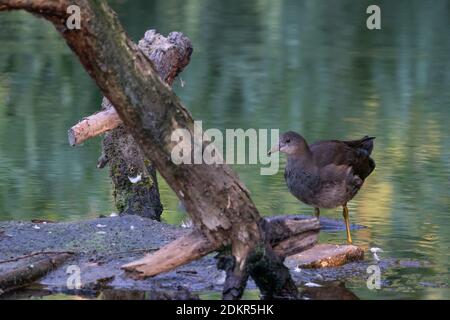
366 143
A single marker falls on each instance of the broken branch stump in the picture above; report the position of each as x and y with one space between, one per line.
93 125
134 178
169 55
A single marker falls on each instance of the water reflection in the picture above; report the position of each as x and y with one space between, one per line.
308 66
331 291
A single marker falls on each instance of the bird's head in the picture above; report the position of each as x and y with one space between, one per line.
290 143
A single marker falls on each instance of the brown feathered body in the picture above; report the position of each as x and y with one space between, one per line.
328 173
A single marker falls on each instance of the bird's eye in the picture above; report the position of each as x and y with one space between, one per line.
288 140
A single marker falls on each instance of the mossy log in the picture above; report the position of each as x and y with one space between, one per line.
169 55
287 235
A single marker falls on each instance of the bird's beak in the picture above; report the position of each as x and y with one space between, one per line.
274 149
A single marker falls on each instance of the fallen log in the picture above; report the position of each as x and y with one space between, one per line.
179 252
100 260
21 271
288 235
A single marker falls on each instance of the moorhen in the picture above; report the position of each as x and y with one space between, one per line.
326 174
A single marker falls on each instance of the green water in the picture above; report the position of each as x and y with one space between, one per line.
308 66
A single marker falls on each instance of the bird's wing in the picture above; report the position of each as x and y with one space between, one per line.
332 152
340 153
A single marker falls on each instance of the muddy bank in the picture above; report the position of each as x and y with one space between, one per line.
100 246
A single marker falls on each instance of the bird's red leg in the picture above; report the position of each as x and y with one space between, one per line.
347 223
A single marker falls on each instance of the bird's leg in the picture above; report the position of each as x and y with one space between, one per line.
317 212
347 223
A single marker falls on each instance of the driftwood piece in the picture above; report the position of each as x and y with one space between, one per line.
326 255
179 252
93 125
287 236
21 271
